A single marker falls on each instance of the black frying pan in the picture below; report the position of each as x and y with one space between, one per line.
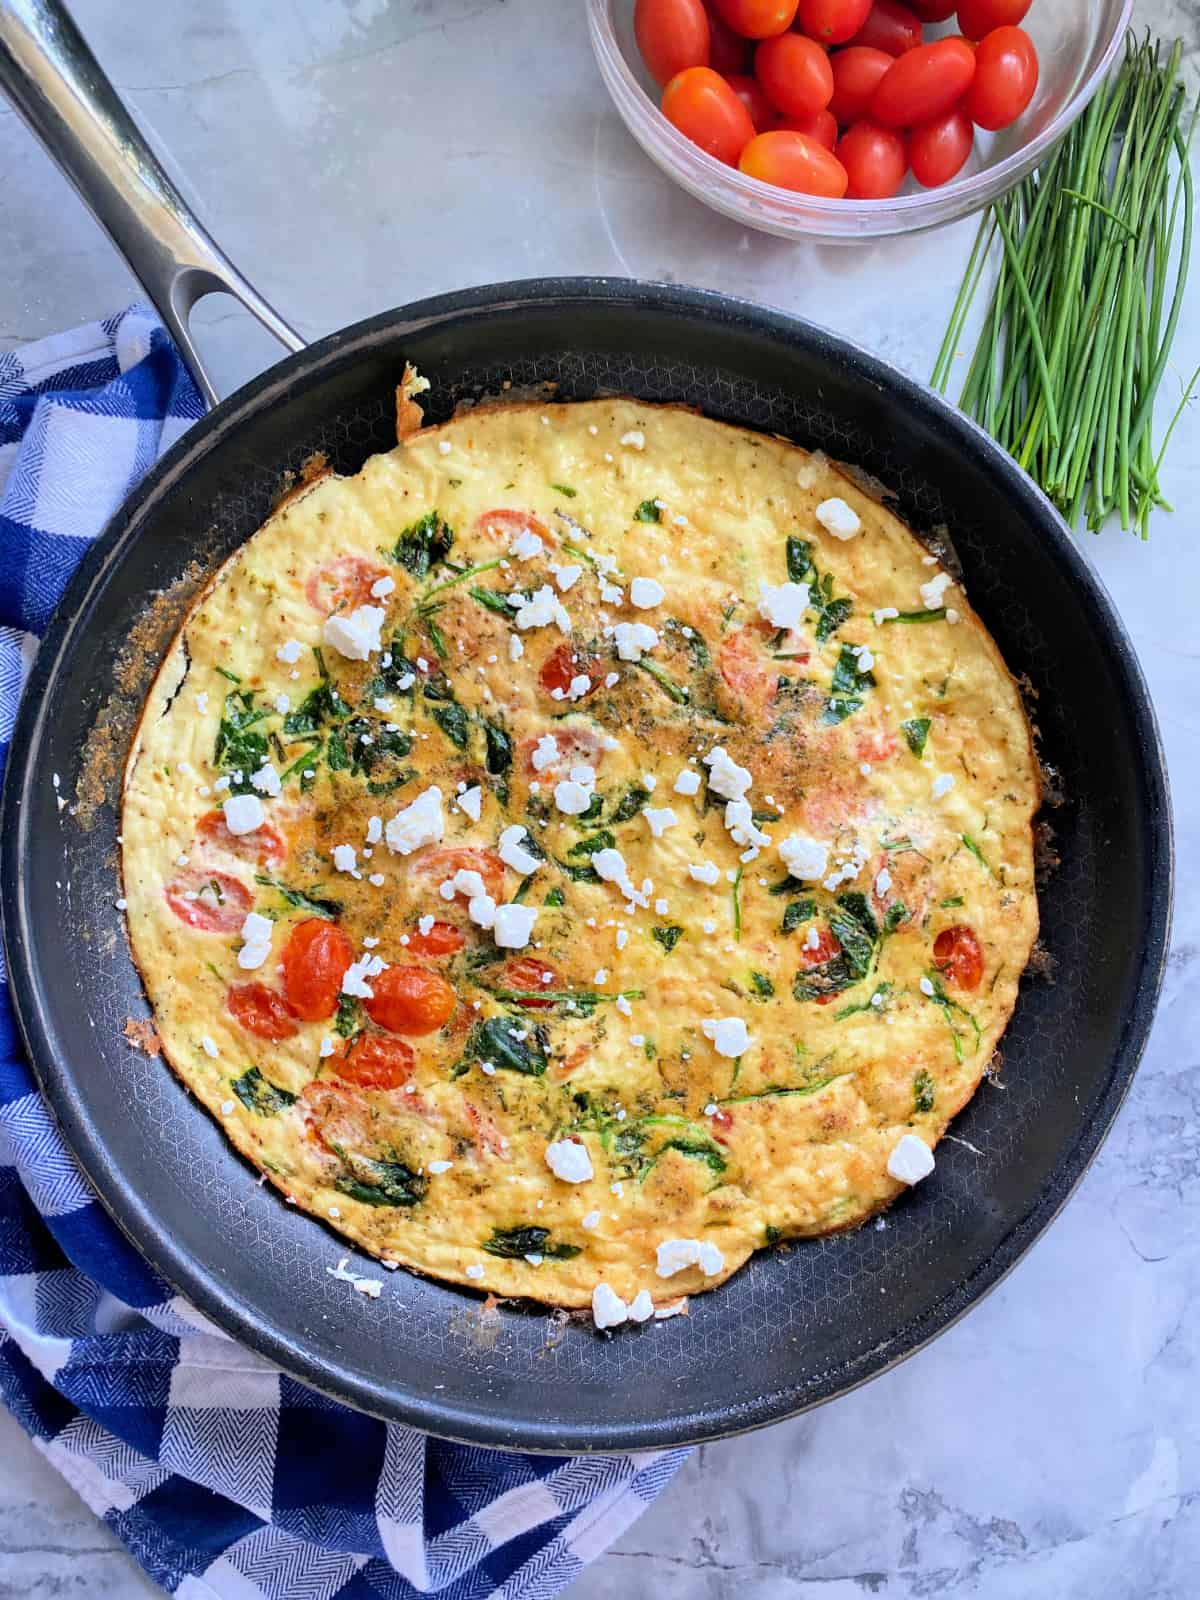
795 1326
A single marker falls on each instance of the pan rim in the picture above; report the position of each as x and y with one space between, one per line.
478 1424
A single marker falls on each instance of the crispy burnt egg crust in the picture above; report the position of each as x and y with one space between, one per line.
589 828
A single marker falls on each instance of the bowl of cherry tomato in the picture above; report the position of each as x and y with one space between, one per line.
851 119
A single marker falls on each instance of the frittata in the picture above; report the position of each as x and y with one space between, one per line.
588 845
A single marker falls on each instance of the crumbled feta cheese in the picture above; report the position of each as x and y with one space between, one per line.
357 635
688 782
608 1309
572 797
635 439
256 941
611 680
804 858
566 576
288 652
513 926
662 907
475 1271
541 609
525 545
208 1045
515 647
327 1048
579 686
659 819
622 938
885 614
465 882
382 587
633 640
709 925
646 592
739 819
641 1307
283 704
545 751
942 785
482 910
345 858
611 594
883 882
438 1167
933 591
592 1220
704 872
839 519
911 1160
784 605
375 879
243 813
725 777
675 1255
728 1034
354 979
926 987
569 1161
514 854
418 824
470 801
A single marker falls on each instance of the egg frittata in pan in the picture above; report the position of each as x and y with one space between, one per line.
588 845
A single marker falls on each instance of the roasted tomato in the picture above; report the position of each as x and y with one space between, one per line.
443 939
342 585
562 666
824 950
506 524
747 667
264 845
526 975
410 1000
260 1011
956 954
576 747
441 865
315 959
375 1062
211 901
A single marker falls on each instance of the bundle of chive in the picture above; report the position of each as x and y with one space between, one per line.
1093 254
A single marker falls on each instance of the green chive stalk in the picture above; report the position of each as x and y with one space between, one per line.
1091 259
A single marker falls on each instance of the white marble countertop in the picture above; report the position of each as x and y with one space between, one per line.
1050 1443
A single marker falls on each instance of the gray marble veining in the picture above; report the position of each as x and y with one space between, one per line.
1050 1443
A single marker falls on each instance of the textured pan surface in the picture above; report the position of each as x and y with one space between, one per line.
796 1326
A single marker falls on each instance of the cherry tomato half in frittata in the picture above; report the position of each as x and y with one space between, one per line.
260 1011
957 954
343 585
505 523
443 939
211 902
410 1000
314 960
374 1062
672 35
264 845
526 975
563 665
441 865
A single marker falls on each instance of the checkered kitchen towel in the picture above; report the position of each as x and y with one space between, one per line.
223 1477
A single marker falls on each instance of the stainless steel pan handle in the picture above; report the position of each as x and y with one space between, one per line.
57 85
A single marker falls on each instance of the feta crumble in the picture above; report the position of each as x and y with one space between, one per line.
646 592
725 777
355 636
418 824
513 926
805 858
784 605
608 1309
659 819
688 782
633 639
911 1160
243 813
569 1161
839 519
729 1035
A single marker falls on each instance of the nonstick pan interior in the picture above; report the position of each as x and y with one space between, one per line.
796 1325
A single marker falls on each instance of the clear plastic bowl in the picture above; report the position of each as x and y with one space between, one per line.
1076 42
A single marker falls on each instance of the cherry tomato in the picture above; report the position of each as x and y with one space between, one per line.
260 1011
410 1000
832 21
978 17
757 19
373 1062
505 523
752 95
792 161
314 960
924 82
443 864
721 1121
527 974
824 950
875 159
937 150
956 953
701 105
1006 75
443 939
795 72
264 845
934 10
891 27
856 74
729 52
343 584
213 902
567 662
672 35
821 126
576 747
745 659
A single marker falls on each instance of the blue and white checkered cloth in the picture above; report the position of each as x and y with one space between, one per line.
224 1478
